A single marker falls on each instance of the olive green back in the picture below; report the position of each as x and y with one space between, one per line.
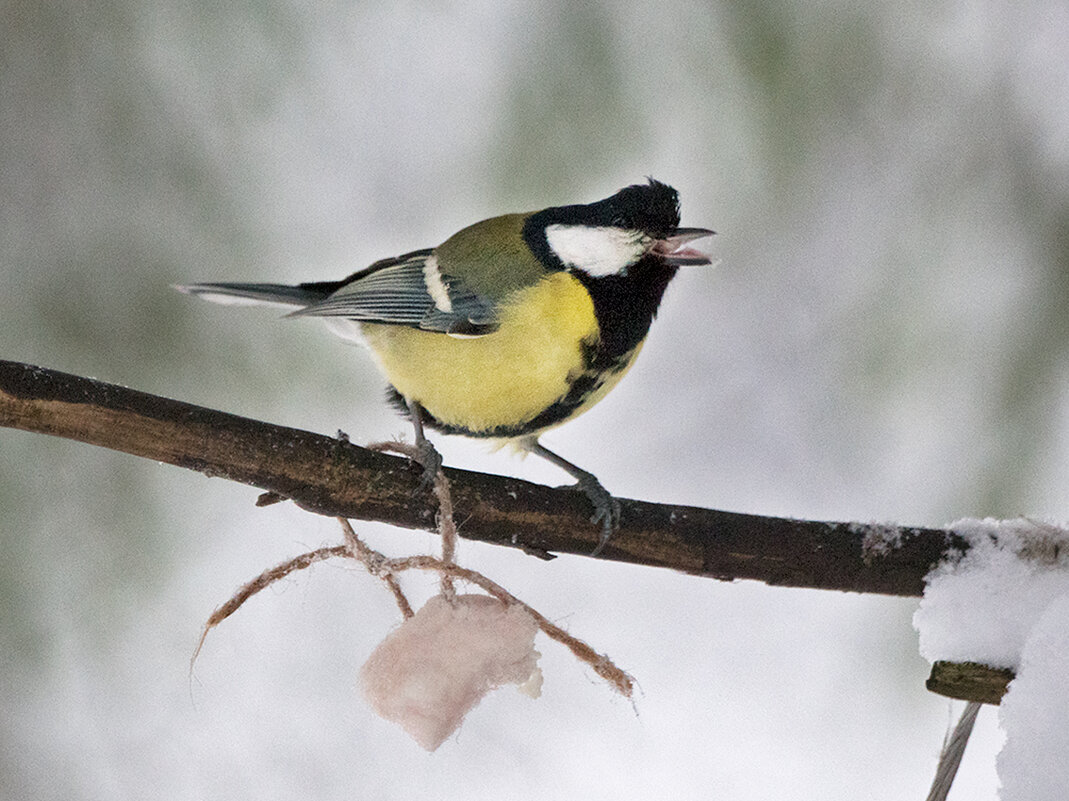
491 257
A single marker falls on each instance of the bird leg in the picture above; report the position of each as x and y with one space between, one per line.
606 507
426 454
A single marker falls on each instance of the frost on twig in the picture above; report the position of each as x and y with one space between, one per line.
877 539
444 658
1004 602
981 606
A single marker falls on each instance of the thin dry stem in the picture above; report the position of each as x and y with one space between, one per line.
953 750
398 595
262 581
376 564
448 569
447 528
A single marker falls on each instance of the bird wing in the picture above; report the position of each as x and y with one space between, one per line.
408 290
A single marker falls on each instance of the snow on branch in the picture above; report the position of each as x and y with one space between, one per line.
997 614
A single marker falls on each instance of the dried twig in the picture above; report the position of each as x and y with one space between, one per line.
953 750
377 564
447 528
262 581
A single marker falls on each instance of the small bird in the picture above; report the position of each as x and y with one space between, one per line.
513 325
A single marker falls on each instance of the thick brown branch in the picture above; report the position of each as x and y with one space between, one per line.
332 477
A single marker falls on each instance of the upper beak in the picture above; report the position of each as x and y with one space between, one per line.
674 251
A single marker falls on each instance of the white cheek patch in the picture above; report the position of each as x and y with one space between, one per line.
597 251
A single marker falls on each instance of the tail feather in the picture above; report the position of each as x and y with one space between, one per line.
259 294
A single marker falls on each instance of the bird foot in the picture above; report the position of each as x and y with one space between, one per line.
427 456
606 509
422 453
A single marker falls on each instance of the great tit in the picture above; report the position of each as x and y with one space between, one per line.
513 325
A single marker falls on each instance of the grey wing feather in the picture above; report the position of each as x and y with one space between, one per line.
254 294
470 314
397 293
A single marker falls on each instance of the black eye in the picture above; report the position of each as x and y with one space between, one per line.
620 221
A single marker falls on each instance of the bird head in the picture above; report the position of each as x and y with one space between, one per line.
609 236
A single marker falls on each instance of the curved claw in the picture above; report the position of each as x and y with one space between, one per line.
606 509
426 454
430 460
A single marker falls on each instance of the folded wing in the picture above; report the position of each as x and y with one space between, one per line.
407 290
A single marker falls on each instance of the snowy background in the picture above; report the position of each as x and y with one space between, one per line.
886 337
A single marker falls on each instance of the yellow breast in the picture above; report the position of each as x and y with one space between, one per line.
502 379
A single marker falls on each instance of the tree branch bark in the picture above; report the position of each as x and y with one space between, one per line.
332 477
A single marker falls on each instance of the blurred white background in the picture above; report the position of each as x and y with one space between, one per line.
886 337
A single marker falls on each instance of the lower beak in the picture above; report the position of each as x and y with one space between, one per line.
674 248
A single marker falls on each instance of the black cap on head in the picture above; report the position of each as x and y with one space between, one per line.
652 208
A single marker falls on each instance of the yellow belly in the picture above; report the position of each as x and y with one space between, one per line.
503 379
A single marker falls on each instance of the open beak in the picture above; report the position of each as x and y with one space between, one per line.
674 248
